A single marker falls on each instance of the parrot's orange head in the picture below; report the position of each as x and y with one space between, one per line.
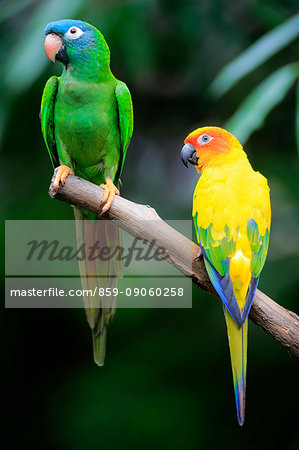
205 146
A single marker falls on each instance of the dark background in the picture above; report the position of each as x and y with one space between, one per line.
167 380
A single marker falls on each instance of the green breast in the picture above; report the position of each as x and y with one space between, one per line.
87 128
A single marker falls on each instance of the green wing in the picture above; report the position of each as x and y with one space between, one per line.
259 246
47 118
217 247
125 114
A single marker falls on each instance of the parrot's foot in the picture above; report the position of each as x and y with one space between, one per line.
110 192
60 174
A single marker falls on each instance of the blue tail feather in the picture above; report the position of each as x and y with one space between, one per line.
224 288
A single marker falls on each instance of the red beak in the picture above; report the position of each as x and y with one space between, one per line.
53 44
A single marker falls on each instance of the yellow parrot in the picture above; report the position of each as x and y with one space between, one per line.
232 216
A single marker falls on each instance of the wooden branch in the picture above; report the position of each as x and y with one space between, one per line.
141 220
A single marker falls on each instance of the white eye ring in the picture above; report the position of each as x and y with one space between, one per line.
204 139
73 33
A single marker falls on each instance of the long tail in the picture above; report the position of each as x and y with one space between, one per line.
237 338
96 275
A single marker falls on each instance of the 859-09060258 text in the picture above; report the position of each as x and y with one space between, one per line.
102 292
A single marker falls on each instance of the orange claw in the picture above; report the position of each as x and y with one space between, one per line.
110 192
61 174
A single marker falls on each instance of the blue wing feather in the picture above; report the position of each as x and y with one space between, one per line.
224 288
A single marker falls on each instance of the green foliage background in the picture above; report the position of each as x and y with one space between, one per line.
167 380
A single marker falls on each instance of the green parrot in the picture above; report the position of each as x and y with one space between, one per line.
87 124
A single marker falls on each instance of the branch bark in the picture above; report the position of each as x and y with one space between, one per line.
142 220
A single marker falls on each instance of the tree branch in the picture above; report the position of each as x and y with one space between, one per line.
141 220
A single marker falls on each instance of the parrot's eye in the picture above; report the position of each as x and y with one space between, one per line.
204 139
73 33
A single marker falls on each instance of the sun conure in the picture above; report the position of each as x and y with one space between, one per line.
87 124
232 215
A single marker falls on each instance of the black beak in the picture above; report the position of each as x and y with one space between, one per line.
188 154
62 55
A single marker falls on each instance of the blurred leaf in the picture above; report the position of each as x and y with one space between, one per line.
11 8
258 53
252 112
271 14
297 118
27 60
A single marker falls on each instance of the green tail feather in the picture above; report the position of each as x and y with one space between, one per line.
99 310
99 346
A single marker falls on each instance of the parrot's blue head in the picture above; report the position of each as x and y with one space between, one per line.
75 42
